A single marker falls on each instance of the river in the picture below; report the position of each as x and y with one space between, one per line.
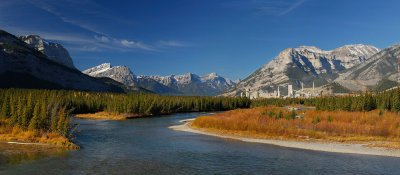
148 146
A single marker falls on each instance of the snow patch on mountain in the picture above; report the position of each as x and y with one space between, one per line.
121 74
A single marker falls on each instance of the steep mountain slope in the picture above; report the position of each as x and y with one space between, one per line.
54 51
121 74
217 82
304 64
25 67
149 83
380 68
188 84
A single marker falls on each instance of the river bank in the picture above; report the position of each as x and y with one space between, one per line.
15 140
13 147
351 148
108 116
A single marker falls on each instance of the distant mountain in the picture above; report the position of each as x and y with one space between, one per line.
379 71
188 84
192 84
24 66
54 51
304 64
121 74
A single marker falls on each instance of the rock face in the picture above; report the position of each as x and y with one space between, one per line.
121 74
192 84
54 51
188 84
379 67
22 66
304 64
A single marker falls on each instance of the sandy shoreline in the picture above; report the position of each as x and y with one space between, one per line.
316 146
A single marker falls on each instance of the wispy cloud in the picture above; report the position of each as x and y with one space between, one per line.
292 7
102 38
271 7
52 9
87 35
171 43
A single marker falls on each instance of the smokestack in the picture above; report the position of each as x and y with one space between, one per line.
290 90
302 87
313 86
279 93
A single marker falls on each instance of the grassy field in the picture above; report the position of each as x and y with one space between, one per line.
108 116
17 134
379 128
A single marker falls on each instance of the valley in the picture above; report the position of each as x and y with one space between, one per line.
199 87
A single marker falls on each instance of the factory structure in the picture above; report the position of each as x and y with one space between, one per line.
277 93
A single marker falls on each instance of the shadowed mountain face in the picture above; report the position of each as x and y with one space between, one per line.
304 64
23 66
188 84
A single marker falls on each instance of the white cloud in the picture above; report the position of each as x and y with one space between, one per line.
127 43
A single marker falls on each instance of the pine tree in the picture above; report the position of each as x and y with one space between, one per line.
396 101
5 109
14 113
62 122
34 123
280 115
43 116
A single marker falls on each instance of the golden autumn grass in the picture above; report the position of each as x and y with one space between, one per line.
332 126
107 116
8 133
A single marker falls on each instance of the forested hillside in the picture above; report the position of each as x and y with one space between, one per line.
47 111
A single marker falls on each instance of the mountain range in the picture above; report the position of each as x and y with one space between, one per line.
187 84
32 62
351 67
379 72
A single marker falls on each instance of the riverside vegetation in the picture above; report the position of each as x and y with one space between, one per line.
371 118
44 115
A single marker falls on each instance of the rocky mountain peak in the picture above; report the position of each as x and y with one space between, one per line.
382 65
21 64
56 52
186 84
313 49
303 64
210 76
359 50
187 78
121 74
98 69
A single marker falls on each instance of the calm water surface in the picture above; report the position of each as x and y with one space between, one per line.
147 146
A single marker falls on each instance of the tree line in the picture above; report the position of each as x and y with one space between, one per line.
48 110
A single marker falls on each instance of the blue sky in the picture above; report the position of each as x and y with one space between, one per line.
232 38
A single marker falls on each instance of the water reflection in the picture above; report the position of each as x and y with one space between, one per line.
15 154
